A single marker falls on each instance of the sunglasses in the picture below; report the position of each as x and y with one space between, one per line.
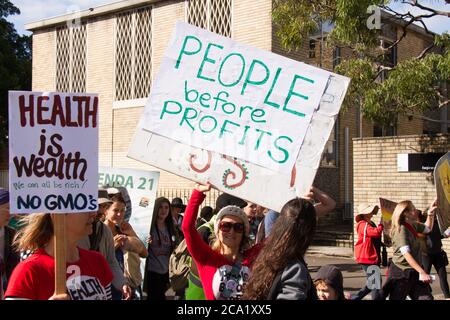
227 226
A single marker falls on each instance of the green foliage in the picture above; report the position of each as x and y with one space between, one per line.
295 21
15 64
412 86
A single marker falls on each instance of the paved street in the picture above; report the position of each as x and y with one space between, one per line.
354 277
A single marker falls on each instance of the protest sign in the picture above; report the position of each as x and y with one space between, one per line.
442 181
53 152
387 208
251 182
141 187
222 96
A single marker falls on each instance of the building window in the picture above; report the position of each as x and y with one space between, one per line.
213 15
71 59
384 131
133 49
389 58
330 155
312 48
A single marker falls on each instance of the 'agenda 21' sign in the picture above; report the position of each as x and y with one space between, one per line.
216 94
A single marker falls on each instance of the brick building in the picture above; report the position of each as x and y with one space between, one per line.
115 50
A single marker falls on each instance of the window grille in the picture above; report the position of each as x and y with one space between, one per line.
133 60
71 58
213 15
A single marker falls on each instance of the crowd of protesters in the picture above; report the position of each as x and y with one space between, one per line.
237 250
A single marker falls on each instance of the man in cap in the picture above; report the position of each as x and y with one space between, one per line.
177 209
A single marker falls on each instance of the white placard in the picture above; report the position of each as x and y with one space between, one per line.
248 181
219 95
53 152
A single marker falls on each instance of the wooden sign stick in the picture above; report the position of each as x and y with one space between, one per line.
59 225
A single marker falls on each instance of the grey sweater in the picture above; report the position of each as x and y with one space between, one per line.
106 248
295 282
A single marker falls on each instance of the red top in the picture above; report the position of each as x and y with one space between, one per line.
222 279
89 278
365 251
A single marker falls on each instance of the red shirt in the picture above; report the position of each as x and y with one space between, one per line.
87 279
366 253
219 279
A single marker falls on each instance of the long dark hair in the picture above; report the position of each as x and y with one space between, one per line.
288 241
168 221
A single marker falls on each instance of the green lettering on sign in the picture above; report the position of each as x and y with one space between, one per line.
189 53
206 59
293 93
242 70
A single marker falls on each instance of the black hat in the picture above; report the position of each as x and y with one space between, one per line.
333 277
178 203
226 199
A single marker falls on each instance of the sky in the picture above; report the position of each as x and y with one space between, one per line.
34 10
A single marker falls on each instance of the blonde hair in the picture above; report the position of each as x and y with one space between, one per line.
36 233
398 217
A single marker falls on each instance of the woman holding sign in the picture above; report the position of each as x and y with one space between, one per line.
406 274
88 274
225 268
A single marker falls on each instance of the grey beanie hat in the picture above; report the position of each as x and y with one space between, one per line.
232 211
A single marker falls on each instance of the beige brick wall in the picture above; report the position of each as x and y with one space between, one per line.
376 175
165 14
44 60
252 23
100 56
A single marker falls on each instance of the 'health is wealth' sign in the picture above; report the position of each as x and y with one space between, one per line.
222 96
53 152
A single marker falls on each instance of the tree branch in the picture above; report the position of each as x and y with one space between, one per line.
422 54
415 3
426 118
444 103
381 69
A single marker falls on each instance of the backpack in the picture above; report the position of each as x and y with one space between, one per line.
179 267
